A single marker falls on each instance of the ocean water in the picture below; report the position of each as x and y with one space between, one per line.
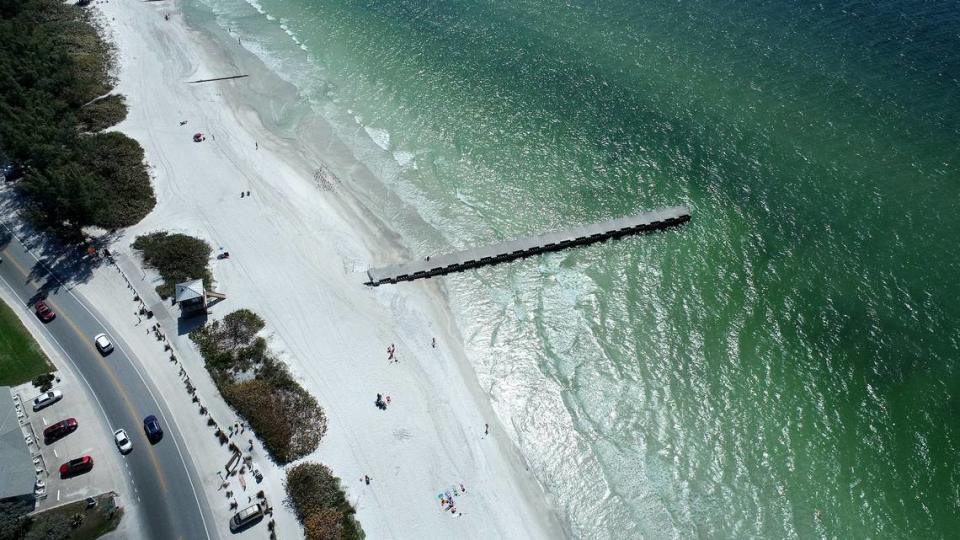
786 365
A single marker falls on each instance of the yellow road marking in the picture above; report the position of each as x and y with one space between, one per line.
123 394
20 268
106 367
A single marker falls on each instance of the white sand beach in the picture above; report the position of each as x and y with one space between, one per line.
296 258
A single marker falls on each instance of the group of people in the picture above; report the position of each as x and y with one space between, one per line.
392 354
447 502
382 403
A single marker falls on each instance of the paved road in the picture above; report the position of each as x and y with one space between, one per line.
171 500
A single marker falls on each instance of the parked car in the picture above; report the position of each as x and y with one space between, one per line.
59 430
246 517
76 466
123 442
44 313
151 426
103 344
47 399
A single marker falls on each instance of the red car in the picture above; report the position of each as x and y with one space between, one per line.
44 312
59 430
76 466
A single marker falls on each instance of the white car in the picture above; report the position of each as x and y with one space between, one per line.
103 344
46 399
123 442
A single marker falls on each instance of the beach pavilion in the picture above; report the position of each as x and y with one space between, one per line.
191 297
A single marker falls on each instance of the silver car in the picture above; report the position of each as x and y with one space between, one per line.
123 442
103 344
47 399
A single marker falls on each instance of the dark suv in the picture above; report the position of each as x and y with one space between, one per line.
59 430
151 426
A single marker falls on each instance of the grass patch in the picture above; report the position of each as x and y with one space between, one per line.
259 387
53 64
75 520
21 359
177 257
102 113
320 503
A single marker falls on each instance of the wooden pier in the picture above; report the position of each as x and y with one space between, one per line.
532 245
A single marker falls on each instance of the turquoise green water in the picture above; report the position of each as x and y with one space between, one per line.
785 365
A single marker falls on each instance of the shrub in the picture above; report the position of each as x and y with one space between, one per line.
44 382
326 524
123 192
284 415
177 257
102 113
317 498
288 420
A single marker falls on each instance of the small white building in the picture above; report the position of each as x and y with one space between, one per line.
191 297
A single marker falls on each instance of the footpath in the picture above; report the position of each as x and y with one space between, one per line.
235 469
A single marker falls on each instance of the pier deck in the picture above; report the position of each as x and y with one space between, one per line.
531 245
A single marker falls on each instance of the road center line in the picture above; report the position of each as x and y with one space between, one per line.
106 367
133 364
123 394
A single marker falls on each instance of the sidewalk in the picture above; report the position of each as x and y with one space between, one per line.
174 365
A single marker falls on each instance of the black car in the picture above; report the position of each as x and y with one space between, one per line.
151 426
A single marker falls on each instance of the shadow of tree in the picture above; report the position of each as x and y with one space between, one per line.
61 265
5 238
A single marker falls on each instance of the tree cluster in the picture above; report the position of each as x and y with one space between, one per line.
53 66
102 113
316 496
177 257
284 415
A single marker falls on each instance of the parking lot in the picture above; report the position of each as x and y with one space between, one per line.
90 438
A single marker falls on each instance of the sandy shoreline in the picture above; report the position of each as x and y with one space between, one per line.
297 255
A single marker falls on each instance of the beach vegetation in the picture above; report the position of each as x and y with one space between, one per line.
177 257
44 382
76 520
259 387
54 67
321 505
102 113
